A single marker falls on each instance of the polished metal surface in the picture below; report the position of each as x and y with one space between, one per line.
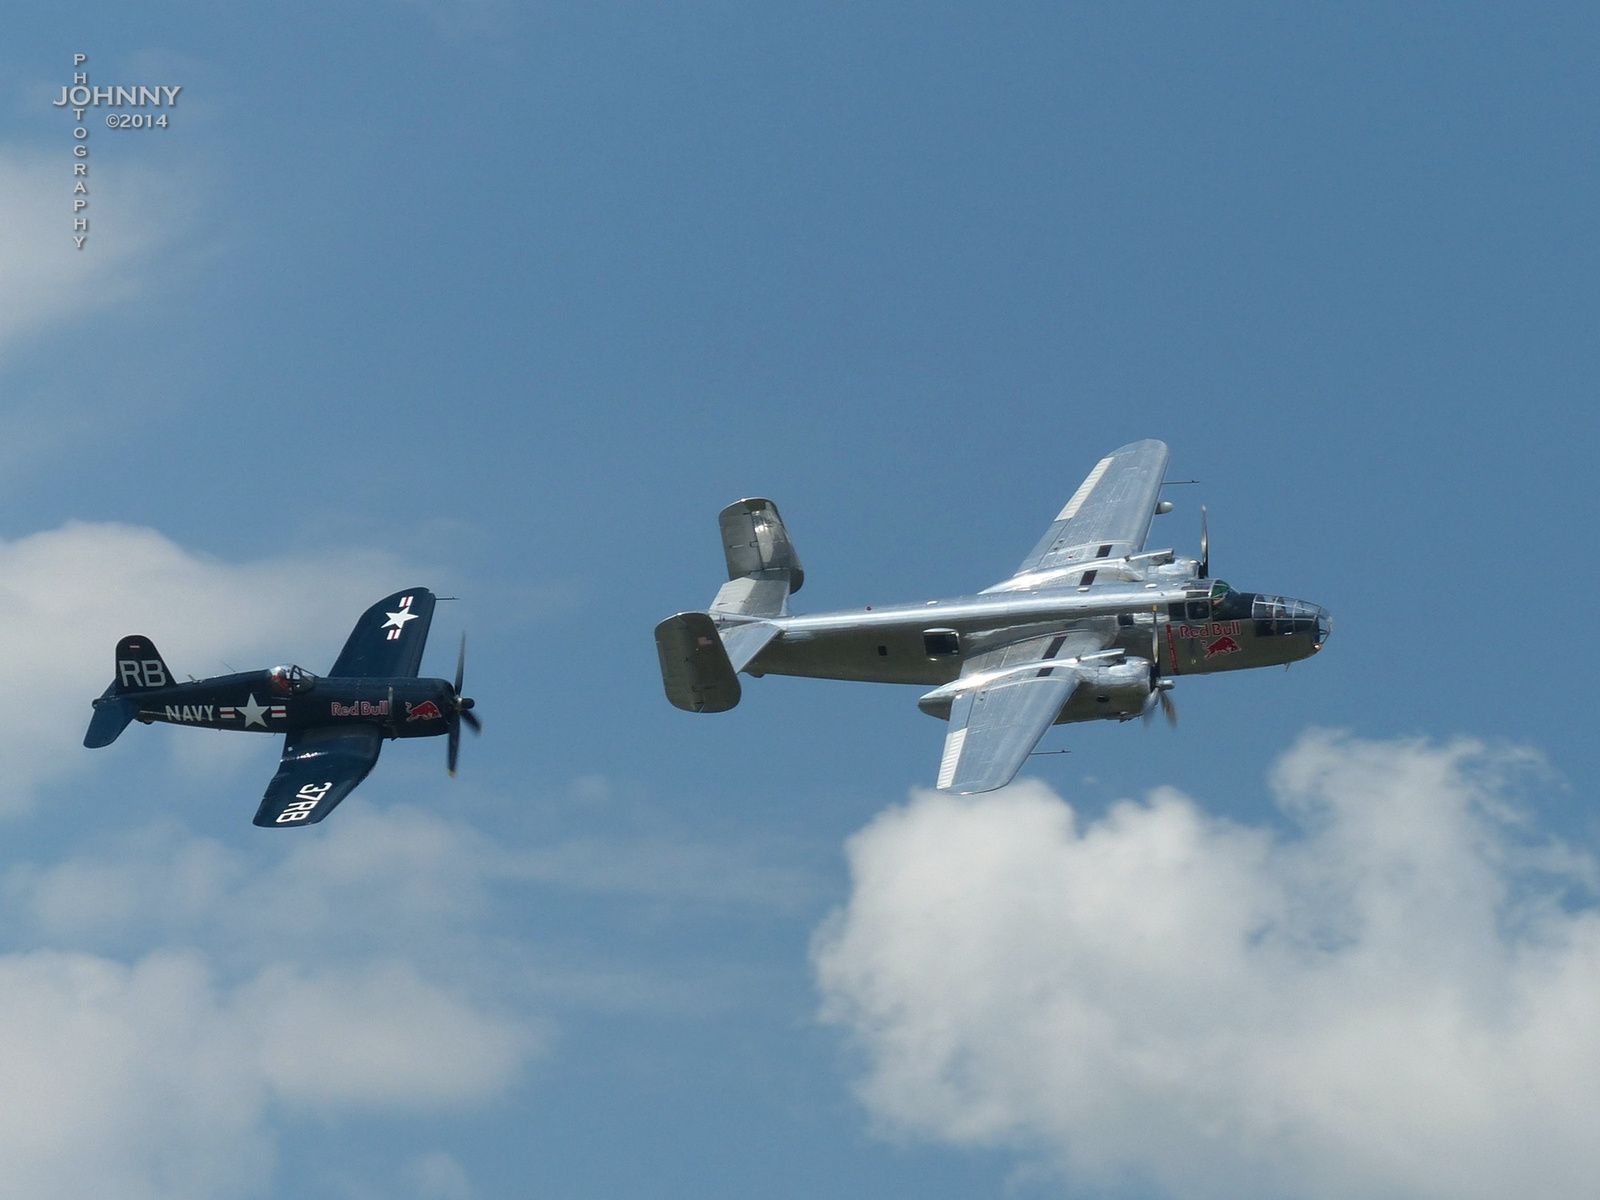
1091 627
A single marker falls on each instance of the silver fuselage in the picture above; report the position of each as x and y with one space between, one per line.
1194 631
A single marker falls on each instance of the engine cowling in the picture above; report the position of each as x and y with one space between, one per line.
1109 692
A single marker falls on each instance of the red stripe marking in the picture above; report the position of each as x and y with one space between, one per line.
1172 649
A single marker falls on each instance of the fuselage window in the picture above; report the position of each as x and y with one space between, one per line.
941 643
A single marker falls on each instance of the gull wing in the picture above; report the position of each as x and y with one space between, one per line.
387 641
1109 515
319 768
996 723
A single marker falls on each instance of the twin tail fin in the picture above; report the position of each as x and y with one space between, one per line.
763 566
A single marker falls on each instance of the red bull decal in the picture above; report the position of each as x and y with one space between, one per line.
361 708
1211 629
426 711
1223 645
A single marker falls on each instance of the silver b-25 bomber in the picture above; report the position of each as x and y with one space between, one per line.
1091 627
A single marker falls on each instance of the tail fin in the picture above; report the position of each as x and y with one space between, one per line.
763 568
139 667
695 669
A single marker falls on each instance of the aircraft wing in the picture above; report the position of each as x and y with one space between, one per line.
1109 515
319 768
387 641
995 724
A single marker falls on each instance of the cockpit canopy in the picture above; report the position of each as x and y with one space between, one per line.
1272 614
1280 614
289 680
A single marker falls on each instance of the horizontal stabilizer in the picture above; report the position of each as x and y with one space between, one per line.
111 717
695 668
744 641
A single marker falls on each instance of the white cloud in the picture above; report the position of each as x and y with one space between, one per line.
268 1001
123 1080
68 594
151 1080
134 212
382 1037
1401 1000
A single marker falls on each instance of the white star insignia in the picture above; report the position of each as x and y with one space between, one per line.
252 713
398 619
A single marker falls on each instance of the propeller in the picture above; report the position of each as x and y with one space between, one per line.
1159 687
1205 546
460 709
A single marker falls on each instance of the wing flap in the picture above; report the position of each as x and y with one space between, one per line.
388 640
319 768
994 728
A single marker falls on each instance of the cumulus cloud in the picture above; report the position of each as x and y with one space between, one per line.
151 1080
1399 998
365 968
134 213
68 594
137 1072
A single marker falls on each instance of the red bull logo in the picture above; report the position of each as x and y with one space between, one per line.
360 708
1223 645
1210 629
426 711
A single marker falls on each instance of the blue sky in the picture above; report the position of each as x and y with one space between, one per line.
509 300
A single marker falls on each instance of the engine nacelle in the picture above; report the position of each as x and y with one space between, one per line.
1112 692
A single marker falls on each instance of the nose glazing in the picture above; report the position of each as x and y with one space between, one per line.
1284 615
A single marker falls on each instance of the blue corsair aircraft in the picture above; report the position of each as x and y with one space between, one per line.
335 724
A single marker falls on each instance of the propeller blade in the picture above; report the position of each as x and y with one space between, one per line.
1171 709
1205 546
461 709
